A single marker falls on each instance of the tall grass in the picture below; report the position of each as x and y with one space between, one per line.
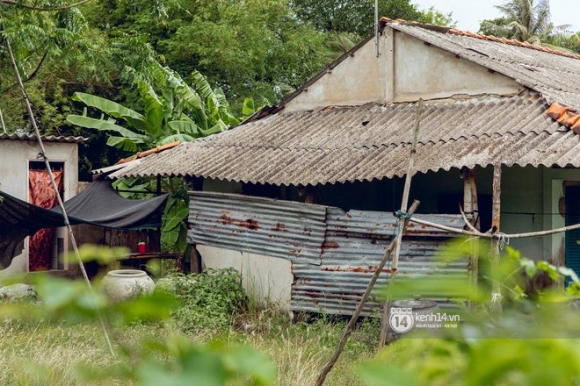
49 353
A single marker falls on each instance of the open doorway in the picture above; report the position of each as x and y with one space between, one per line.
572 259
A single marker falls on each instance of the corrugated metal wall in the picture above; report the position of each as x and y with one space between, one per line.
333 253
286 229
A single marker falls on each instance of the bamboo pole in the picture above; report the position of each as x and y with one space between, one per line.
2 122
350 326
491 236
56 191
404 202
474 200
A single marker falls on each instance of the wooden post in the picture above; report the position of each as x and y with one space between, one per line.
399 237
195 263
194 260
474 201
495 243
469 206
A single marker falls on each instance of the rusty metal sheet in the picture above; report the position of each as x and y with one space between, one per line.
354 245
334 253
285 229
339 293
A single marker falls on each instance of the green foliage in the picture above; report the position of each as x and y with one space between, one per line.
526 344
269 52
476 362
172 111
174 228
357 17
433 16
178 361
209 300
529 21
173 360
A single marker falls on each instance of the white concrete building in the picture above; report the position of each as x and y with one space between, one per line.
19 154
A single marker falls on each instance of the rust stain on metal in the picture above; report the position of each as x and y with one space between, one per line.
330 245
369 269
279 227
250 223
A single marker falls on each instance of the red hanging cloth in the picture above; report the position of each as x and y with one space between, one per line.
41 193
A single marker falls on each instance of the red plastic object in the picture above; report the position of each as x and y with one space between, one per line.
142 248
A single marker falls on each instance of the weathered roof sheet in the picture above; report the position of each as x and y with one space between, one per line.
345 144
555 76
368 142
45 138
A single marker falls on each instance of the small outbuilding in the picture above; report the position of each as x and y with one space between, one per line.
23 175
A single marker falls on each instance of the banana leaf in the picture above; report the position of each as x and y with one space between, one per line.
104 125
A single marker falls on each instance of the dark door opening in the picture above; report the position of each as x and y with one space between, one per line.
572 238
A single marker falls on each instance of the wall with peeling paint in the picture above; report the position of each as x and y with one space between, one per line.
357 80
424 71
407 69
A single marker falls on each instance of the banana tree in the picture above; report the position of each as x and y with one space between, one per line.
178 112
172 111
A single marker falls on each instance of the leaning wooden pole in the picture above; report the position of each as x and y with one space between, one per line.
350 326
399 237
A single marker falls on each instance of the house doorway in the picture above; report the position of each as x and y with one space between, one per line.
572 237
42 255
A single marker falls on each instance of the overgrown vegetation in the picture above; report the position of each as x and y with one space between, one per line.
207 334
207 338
210 300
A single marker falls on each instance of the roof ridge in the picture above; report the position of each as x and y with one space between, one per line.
456 31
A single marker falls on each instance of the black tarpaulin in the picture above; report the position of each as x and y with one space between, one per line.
99 204
19 219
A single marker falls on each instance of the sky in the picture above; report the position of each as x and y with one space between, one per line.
469 13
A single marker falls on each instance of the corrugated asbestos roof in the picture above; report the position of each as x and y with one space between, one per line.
345 144
369 142
45 138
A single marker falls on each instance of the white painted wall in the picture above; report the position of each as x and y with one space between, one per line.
14 158
268 280
407 69
428 72
357 80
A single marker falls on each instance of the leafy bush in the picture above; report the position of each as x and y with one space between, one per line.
208 300
529 340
